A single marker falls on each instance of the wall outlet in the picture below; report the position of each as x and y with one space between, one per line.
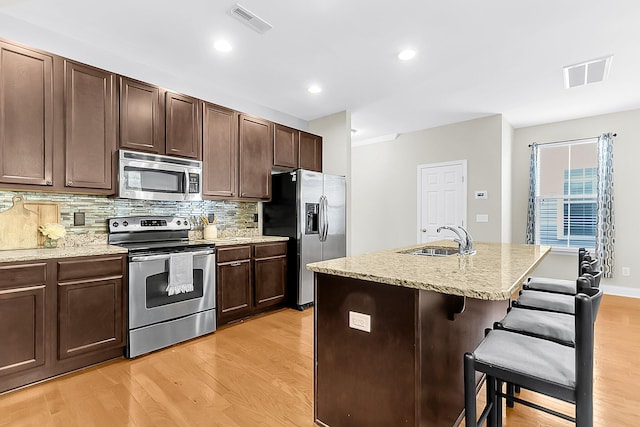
360 321
626 271
78 218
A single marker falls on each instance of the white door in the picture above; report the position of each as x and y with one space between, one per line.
442 199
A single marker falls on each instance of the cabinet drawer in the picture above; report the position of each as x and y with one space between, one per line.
233 253
267 250
16 276
96 267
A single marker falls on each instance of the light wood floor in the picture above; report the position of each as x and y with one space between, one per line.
260 373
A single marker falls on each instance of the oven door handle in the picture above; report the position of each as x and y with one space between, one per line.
166 256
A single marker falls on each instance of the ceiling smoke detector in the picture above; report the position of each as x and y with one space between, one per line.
584 73
250 19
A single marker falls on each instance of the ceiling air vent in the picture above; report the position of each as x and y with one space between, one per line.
584 73
250 19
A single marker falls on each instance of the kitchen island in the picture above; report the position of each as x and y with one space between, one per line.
391 329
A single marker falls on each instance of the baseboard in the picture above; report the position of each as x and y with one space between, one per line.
620 291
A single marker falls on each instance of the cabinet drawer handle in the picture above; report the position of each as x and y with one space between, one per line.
236 264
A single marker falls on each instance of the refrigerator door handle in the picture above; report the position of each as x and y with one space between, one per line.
324 225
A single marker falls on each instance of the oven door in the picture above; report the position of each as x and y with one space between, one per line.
149 302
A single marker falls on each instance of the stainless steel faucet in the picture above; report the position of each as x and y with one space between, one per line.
465 243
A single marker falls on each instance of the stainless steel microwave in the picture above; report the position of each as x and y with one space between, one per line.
153 177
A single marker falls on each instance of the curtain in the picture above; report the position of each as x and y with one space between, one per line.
605 230
533 183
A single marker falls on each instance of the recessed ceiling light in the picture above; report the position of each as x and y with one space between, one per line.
314 89
407 54
222 46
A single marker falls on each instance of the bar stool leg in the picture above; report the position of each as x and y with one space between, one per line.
490 386
510 392
498 403
469 391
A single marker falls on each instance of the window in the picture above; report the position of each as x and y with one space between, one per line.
566 194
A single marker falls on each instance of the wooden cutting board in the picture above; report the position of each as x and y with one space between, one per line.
48 212
19 224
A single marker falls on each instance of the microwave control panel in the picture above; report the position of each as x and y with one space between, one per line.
194 183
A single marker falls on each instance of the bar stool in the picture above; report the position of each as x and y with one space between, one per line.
536 364
568 287
550 301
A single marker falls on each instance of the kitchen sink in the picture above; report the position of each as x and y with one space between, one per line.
430 251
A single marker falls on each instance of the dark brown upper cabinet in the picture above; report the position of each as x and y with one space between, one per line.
286 142
182 125
26 116
158 121
310 152
256 157
90 127
219 151
141 124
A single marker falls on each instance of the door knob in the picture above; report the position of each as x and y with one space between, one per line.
424 230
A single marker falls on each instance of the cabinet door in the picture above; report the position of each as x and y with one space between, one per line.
89 316
141 124
256 152
26 116
234 290
22 314
310 152
219 151
270 281
285 146
90 129
182 126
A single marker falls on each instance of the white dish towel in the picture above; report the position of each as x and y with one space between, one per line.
180 273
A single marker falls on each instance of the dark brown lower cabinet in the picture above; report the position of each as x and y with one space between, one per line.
234 283
250 279
22 318
270 265
57 316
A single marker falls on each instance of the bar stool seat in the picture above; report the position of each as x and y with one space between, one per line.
538 300
536 358
548 284
558 327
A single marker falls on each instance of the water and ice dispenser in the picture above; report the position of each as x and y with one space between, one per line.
312 211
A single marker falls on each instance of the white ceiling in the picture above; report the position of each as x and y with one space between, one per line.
475 58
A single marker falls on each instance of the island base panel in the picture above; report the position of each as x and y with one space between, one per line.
408 369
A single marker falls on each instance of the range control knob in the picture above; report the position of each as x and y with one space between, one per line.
186 223
115 224
125 223
179 222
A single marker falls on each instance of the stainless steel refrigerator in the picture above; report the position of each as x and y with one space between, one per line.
308 207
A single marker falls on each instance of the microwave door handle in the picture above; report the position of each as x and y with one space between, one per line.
186 185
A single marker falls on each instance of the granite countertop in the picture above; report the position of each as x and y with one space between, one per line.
95 248
64 252
495 272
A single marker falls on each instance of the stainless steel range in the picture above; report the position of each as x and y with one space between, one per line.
172 292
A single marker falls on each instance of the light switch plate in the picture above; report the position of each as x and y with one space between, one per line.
482 218
360 321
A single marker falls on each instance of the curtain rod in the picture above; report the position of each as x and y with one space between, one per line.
569 140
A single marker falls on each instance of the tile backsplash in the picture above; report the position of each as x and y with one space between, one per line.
231 215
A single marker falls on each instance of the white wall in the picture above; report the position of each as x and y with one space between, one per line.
626 153
384 182
506 189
